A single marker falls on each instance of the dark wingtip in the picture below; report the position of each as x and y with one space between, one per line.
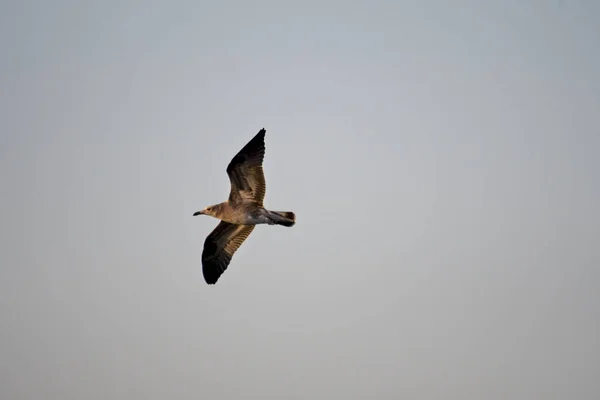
211 278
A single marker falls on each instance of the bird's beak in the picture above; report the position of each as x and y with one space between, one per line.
199 213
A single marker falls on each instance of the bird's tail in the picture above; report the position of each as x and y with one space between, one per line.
285 218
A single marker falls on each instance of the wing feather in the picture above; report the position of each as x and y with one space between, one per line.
246 172
220 246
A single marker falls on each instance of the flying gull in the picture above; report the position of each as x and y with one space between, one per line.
242 210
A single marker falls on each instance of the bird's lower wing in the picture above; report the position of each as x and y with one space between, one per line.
219 248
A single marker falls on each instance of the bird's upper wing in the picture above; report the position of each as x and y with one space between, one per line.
219 248
246 172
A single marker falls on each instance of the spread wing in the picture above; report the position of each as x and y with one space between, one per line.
246 172
219 248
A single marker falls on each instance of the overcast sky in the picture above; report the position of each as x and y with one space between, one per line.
442 159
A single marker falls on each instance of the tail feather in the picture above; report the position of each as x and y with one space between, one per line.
286 218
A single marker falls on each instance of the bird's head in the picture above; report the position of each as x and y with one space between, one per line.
210 210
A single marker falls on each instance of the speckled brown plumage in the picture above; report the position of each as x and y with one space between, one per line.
242 211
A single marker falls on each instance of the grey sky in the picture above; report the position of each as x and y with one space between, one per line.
441 158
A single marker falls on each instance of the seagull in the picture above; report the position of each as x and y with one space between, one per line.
241 212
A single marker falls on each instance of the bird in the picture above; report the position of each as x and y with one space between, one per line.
241 212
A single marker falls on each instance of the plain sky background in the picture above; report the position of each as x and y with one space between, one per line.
442 158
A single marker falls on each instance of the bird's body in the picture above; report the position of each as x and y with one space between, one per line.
241 212
247 213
